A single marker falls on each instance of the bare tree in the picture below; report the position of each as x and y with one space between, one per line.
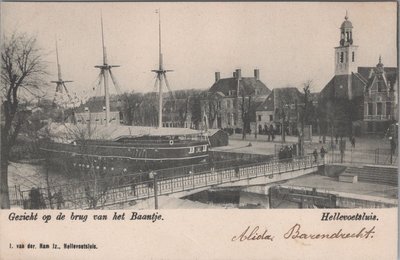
305 113
22 73
246 110
211 109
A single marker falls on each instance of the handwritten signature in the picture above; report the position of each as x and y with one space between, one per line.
295 232
253 235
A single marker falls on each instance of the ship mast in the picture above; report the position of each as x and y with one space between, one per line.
60 83
161 73
105 71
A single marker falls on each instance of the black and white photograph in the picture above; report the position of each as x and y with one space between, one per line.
147 106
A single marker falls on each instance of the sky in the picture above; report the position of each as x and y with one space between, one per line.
290 43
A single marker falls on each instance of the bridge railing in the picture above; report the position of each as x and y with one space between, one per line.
167 186
100 196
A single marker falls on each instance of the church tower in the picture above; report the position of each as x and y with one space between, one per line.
346 53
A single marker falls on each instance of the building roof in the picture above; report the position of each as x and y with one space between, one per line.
367 72
386 76
286 95
346 23
247 84
338 86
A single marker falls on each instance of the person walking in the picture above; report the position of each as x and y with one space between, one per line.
315 154
271 131
392 145
323 152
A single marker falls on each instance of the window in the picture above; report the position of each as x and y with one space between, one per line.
388 108
379 108
204 148
347 36
370 109
191 150
228 104
271 118
352 56
341 57
259 117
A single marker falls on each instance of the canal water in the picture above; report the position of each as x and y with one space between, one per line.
240 199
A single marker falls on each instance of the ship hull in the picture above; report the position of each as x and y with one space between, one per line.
117 159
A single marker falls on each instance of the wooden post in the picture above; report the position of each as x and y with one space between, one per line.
155 192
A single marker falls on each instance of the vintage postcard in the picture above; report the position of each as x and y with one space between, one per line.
199 130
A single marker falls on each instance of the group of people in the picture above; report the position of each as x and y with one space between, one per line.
287 152
322 153
267 130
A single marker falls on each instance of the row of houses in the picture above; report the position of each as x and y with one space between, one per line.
357 100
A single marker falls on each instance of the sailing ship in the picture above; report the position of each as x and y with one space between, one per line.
121 149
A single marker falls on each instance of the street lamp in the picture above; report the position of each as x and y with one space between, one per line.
153 176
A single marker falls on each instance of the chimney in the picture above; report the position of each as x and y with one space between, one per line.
217 76
238 73
257 74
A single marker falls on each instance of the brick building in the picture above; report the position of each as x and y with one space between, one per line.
94 112
231 102
353 102
380 98
281 105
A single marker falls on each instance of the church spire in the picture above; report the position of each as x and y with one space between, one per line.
346 34
346 52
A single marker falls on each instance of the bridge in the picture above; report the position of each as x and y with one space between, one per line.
79 197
